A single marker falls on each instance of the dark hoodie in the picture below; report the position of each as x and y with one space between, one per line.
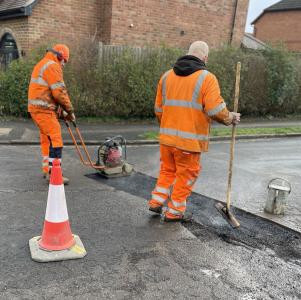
188 64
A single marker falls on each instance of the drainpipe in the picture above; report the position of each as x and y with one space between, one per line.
233 22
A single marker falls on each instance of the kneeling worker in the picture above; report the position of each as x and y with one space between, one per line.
47 95
188 97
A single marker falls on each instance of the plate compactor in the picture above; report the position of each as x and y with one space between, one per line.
110 161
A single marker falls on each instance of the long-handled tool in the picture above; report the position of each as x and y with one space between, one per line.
225 210
109 163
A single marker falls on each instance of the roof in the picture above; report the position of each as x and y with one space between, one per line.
15 8
283 5
250 42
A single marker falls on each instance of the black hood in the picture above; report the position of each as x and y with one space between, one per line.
188 64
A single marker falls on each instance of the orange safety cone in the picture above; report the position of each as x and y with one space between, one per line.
57 233
57 241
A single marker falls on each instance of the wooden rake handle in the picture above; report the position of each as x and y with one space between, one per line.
236 98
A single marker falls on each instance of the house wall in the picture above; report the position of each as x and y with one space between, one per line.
285 27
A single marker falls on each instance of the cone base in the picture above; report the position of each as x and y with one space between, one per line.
75 252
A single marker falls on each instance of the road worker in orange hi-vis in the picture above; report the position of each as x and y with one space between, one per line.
47 98
188 98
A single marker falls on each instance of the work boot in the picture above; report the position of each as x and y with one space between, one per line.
65 179
186 217
156 209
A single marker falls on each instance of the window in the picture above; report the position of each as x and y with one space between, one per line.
8 50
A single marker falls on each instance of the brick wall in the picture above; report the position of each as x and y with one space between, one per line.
18 28
170 22
240 22
280 26
176 22
64 21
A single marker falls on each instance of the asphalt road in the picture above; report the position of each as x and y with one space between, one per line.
131 255
255 164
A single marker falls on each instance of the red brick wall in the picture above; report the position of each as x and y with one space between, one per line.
280 26
154 22
161 21
105 21
64 21
240 21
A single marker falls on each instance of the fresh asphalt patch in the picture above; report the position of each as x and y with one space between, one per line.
254 233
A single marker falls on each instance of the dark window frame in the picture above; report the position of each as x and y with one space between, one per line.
8 50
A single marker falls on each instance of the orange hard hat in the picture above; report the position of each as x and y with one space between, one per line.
63 51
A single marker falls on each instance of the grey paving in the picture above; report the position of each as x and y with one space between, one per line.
131 255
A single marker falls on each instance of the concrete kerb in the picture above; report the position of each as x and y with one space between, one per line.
154 142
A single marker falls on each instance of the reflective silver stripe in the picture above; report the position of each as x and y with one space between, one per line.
164 86
158 109
158 198
38 102
178 204
45 157
183 103
216 110
162 190
197 89
44 164
184 134
43 69
174 212
57 85
39 80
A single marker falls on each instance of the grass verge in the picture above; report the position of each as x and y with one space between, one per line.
152 135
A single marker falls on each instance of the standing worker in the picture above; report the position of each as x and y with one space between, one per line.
188 97
47 95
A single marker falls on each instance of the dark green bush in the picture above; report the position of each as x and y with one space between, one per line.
123 84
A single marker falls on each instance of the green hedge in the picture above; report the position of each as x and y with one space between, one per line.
124 85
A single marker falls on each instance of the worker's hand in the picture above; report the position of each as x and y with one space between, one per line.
71 117
68 116
236 118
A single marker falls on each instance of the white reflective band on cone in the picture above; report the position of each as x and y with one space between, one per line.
56 211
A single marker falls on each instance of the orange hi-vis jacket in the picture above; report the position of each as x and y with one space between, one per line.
47 88
185 106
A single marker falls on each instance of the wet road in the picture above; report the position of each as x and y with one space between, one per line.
255 164
131 255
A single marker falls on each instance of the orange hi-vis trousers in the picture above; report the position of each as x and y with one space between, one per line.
50 136
178 172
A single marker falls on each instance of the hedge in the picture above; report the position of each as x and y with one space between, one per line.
124 85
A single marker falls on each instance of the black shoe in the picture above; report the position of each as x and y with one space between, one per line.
187 217
157 210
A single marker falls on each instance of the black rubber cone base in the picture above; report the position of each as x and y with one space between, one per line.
227 215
